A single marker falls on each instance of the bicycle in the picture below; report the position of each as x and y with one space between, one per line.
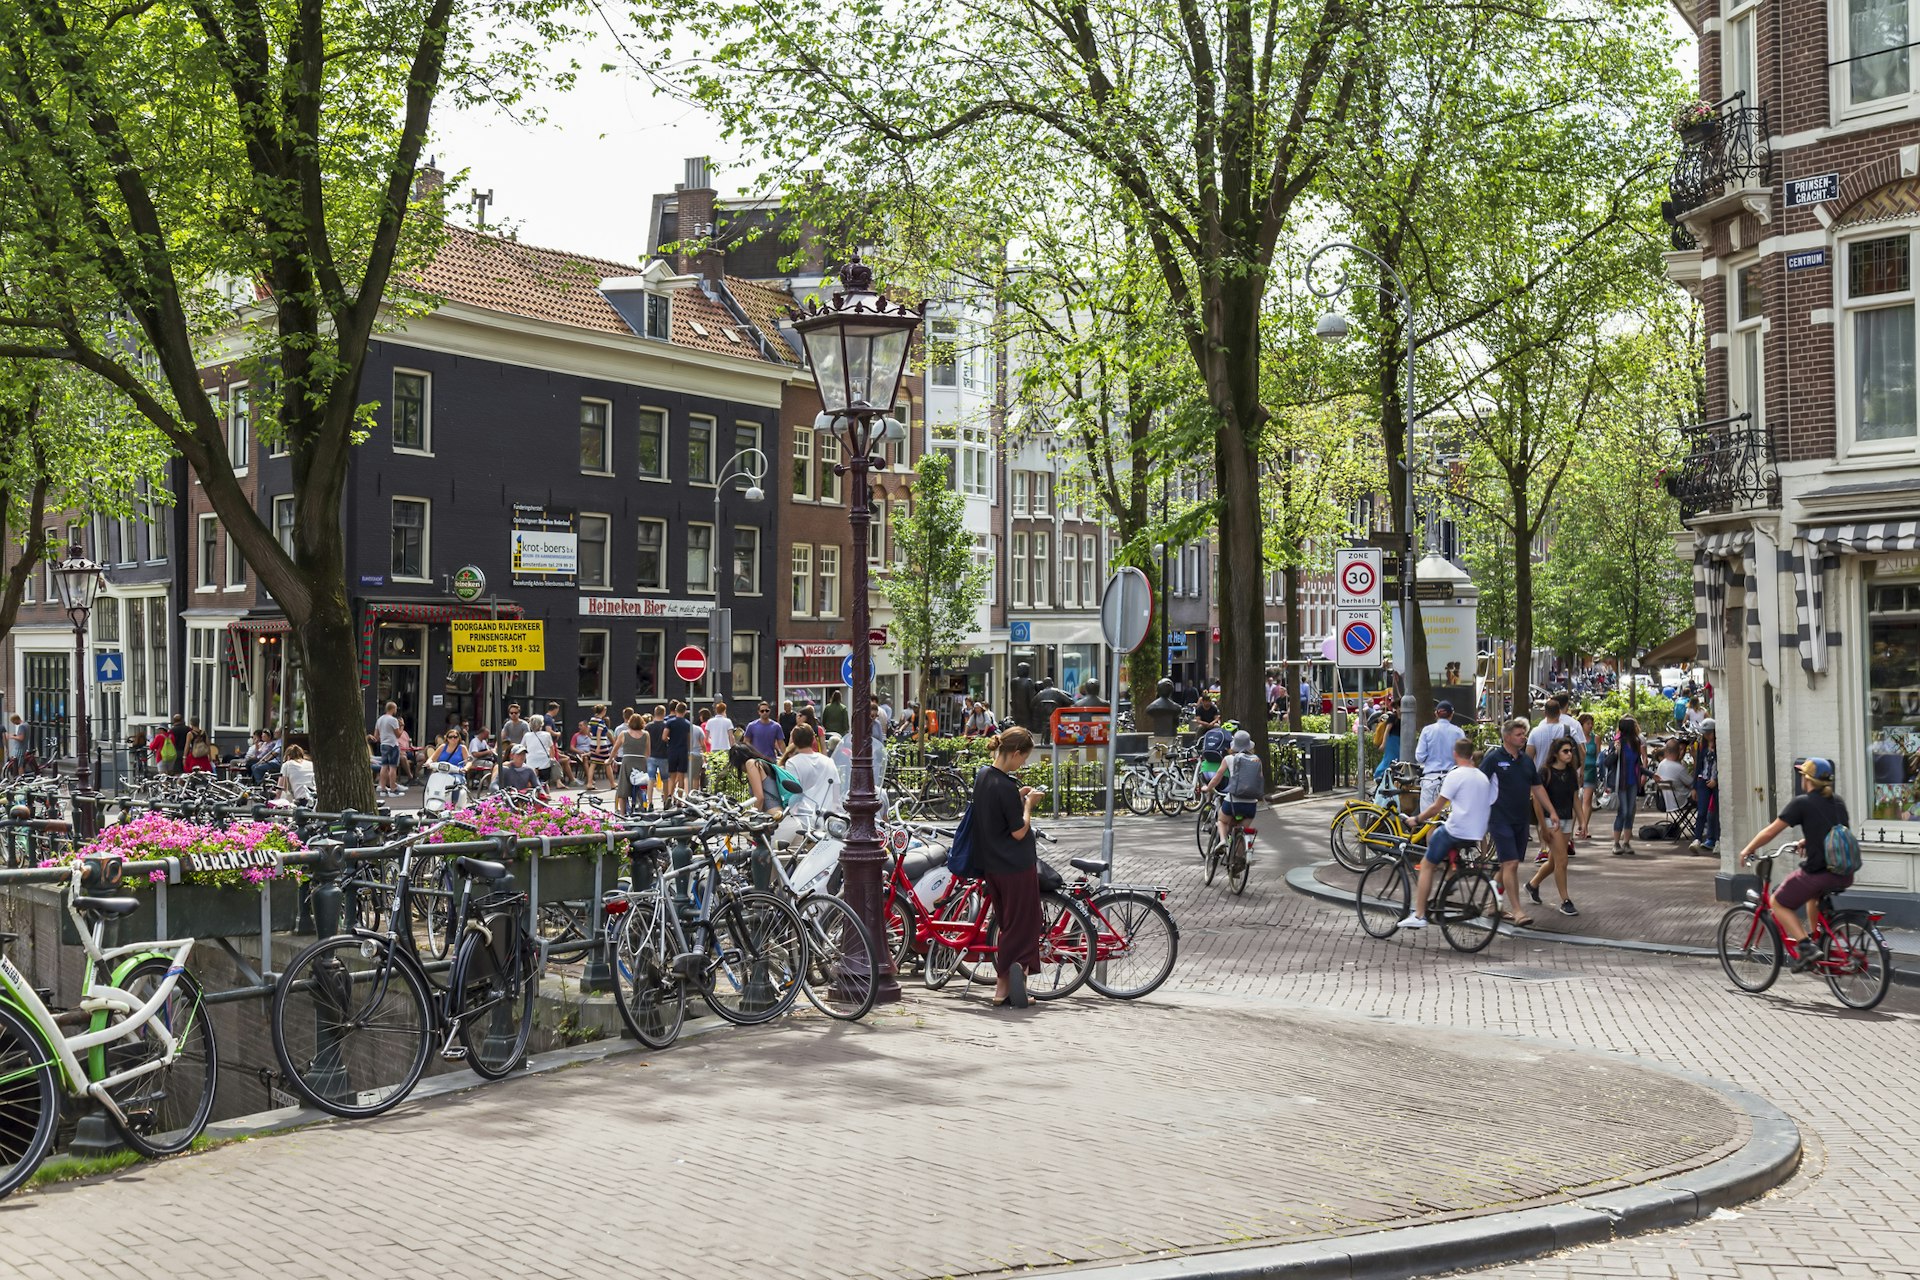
746 957
1236 853
1850 952
943 793
354 1015
1128 919
1374 824
140 1044
957 931
1463 902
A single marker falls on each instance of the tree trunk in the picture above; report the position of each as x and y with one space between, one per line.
1393 433
1522 603
1143 664
1291 626
336 724
1243 688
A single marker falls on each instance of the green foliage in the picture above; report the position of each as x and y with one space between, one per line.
936 589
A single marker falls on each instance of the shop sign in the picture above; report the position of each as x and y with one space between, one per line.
643 607
545 550
798 649
505 644
469 583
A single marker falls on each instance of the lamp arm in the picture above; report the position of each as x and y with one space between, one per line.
1340 282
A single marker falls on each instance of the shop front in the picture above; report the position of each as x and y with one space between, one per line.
406 658
810 670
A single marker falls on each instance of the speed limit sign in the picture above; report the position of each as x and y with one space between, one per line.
1356 578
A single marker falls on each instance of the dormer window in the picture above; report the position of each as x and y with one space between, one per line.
659 319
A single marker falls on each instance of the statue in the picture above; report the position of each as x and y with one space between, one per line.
1163 713
1089 694
1020 697
1046 701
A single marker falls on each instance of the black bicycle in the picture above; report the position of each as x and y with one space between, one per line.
354 1016
943 792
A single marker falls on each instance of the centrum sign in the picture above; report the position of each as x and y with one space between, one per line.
510 644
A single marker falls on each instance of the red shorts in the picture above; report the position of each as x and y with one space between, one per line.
1802 887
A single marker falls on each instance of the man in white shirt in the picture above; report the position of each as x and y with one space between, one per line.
1434 751
1468 795
1554 727
719 729
819 780
1675 781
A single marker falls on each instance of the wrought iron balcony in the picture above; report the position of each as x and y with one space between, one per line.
1729 465
1729 149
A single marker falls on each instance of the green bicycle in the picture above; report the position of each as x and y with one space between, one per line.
140 1044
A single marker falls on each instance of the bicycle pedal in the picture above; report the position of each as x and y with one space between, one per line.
689 964
454 1053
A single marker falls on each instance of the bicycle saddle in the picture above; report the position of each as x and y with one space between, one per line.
649 844
479 869
1092 866
107 906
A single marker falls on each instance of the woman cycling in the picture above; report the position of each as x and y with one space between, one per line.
1816 811
1561 781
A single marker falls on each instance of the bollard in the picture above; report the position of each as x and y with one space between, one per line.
598 975
325 893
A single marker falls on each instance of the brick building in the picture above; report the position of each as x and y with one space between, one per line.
1794 207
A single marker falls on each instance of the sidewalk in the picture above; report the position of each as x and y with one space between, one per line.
1089 1132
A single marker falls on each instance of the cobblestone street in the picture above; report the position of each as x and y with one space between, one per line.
1294 1078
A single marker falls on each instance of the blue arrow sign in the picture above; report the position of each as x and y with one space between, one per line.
107 668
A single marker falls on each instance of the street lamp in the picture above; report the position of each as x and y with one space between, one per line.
78 580
857 348
1332 327
745 461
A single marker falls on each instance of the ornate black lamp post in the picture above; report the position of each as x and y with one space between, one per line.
857 347
78 580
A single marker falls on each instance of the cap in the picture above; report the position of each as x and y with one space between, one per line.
1706 726
518 750
1817 768
1443 705
1242 740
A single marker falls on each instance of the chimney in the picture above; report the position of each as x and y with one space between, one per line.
427 179
695 229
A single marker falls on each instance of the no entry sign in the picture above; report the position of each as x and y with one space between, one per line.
690 663
1356 638
1356 578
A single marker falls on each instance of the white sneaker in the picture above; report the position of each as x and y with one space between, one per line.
1414 922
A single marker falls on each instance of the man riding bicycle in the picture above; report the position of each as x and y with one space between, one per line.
1817 812
1467 794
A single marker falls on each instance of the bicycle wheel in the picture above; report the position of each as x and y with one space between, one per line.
1203 830
163 1109
1344 839
758 950
902 929
1138 943
1867 964
562 922
29 1104
842 973
493 998
946 801
1137 791
1067 947
1385 897
1166 795
1750 948
648 992
942 960
351 1026
433 905
1239 862
1467 913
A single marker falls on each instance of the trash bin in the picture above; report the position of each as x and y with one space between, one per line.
1322 766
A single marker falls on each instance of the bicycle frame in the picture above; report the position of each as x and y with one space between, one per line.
1836 957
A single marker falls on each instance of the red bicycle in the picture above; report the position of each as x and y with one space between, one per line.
1849 949
958 931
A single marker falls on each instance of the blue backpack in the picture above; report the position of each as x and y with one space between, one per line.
960 853
1842 852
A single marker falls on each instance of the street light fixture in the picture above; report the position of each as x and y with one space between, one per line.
78 580
751 466
1332 327
857 348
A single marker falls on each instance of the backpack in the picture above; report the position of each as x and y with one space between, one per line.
1246 779
168 752
786 784
960 852
1214 744
1842 851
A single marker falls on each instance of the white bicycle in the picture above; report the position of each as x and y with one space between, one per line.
139 1043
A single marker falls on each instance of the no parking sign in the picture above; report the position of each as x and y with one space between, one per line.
1356 637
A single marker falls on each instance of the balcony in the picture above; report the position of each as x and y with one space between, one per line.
1726 159
1730 465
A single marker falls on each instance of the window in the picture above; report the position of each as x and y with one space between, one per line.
137 656
746 560
283 521
209 550
596 437
236 566
1070 572
1019 493
700 558
829 486
1880 314
410 423
1042 572
652 573
944 333
898 452
1276 647
158 517
877 533
746 664
829 582
973 470
203 674
902 510
1876 46
746 436
653 444
1019 574
800 601
409 541
1893 737
592 532
593 671
157 623
1746 387
239 427
659 317
802 463
1042 492
700 433
1089 570
648 673
986 553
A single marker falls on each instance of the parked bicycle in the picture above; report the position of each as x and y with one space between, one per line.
1371 828
1849 950
140 1044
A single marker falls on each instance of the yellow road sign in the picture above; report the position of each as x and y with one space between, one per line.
509 644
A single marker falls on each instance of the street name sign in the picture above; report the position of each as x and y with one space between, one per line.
504 644
1818 189
1356 635
1357 577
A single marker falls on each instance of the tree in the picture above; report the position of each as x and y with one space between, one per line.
241 173
937 588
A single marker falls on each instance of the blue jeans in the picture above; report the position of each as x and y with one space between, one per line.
1708 824
1623 802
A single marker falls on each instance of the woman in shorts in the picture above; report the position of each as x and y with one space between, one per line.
1562 781
1590 779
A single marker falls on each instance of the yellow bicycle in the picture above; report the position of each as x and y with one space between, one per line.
1367 829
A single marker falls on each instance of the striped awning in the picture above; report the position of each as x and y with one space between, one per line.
1711 571
1818 549
404 611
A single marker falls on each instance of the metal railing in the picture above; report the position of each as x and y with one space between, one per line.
1730 464
1731 148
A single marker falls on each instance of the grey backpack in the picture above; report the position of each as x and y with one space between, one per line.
1248 781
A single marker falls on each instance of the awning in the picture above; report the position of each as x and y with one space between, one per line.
1816 550
379 611
1677 648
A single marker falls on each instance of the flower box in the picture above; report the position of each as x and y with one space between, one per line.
564 876
197 911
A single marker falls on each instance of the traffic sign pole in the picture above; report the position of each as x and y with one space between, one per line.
1126 616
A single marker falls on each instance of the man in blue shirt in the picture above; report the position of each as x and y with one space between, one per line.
1517 796
1433 752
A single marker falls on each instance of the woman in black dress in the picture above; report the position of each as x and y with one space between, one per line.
1004 857
1561 780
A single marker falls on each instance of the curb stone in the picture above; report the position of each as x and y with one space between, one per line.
1769 1157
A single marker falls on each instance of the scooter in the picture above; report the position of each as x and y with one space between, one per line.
446 787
